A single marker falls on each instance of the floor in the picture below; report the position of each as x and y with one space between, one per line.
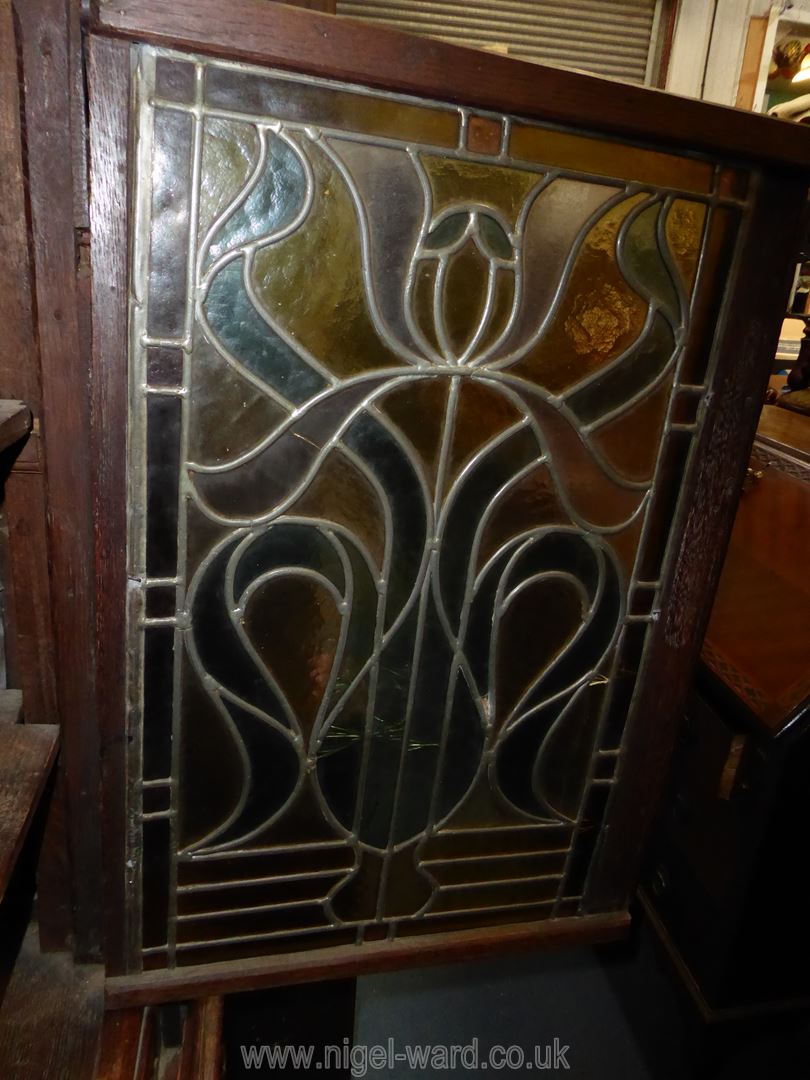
616 1010
527 1003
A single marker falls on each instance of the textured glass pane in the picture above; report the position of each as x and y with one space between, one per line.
411 408
533 143
171 166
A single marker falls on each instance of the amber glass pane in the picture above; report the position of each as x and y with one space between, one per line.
267 96
533 143
407 438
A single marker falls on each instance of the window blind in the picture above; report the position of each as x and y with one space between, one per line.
606 37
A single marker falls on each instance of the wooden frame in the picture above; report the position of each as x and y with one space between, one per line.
48 506
779 156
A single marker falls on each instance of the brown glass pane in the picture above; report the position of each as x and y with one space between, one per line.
294 625
174 80
164 367
484 135
630 442
530 502
732 183
482 413
341 493
684 232
602 158
287 99
418 409
599 315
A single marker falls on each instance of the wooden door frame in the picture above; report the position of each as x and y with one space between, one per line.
744 342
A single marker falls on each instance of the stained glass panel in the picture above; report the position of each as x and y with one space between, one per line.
409 416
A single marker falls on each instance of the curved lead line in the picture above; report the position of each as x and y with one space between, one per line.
423 869
290 571
492 654
415 590
433 355
385 504
339 598
447 439
517 237
241 370
423 252
669 261
471 231
398 376
350 874
486 313
459 661
235 617
340 647
586 677
288 339
546 575
654 307
291 734
466 607
244 759
586 430
504 378
429 547
587 620
562 493
380 325
637 284
385 572
438 313
248 250
469 468
309 476
517 354
239 199
536 786
251 246
457 638
215 694
700 270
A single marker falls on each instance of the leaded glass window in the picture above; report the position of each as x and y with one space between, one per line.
412 392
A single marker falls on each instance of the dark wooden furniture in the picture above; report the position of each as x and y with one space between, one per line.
726 871
15 422
27 754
